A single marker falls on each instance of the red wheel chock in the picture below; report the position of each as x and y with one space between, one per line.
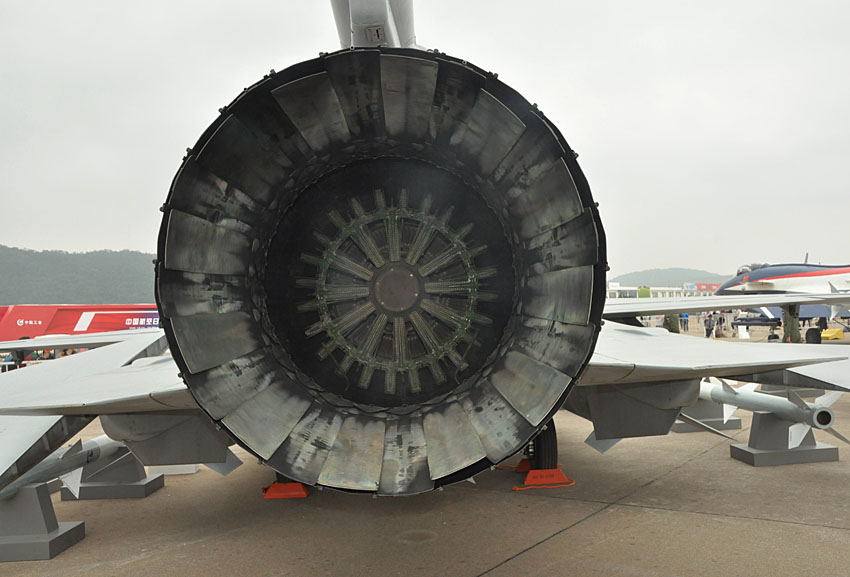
545 479
285 491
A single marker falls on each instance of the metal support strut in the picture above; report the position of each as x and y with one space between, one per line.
28 527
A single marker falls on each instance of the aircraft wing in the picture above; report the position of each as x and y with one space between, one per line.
128 375
83 341
639 379
43 406
630 308
19 434
631 355
833 376
146 385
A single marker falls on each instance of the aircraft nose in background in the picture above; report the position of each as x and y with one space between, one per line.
731 286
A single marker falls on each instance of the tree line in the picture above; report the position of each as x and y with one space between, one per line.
59 277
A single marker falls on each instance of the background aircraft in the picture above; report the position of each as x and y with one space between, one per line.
788 278
766 279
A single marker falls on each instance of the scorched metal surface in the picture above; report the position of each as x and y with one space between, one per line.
381 270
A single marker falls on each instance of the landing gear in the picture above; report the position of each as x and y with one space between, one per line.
542 451
813 335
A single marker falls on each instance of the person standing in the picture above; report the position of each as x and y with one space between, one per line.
709 325
8 364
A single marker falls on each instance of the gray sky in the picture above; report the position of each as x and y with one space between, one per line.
701 126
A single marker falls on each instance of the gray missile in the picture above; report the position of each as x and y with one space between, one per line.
794 408
67 464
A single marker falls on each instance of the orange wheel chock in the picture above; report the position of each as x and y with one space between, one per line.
524 466
545 479
285 491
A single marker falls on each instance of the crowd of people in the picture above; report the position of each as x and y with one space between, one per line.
12 361
714 323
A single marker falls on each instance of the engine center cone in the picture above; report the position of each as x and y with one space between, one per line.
380 270
397 288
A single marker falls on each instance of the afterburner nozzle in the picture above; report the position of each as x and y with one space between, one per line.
381 270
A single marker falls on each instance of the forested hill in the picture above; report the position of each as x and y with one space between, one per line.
669 277
125 277
58 277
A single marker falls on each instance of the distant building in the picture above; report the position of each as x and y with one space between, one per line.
617 291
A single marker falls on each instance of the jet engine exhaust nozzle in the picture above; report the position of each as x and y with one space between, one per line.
381 270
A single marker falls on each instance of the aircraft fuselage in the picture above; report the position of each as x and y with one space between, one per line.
789 278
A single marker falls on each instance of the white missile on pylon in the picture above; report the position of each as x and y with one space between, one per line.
794 409
67 465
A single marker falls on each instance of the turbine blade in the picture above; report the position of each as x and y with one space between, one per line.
364 240
415 383
424 235
352 319
399 340
334 293
366 377
346 265
390 382
373 338
449 316
393 236
337 219
426 335
442 260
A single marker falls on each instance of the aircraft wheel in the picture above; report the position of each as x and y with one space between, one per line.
543 450
813 336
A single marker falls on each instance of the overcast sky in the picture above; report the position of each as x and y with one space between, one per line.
703 127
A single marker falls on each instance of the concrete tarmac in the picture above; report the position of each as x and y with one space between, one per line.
660 506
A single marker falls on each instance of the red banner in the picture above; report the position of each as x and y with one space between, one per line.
21 321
